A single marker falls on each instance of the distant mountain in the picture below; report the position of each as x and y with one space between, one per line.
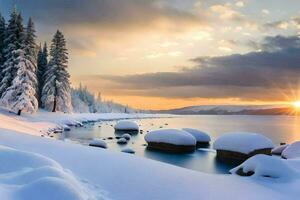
232 110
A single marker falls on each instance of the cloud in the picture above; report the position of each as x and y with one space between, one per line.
102 23
240 4
265 11
255 75
227 13
111 14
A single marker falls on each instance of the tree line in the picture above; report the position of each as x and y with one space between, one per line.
30 76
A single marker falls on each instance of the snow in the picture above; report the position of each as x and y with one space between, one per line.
200 136
122 141
278 150
98 143
126 125
25 175
242 142
128 150
292 151
96 173
126 136
170 136
268 167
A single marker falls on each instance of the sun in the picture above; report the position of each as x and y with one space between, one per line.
296 104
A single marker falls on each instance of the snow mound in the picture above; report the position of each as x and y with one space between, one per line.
170 136
126 136
278 150
200 136
126 125
128 150
25 175
292 151
122 141
98 143
242 142
266 166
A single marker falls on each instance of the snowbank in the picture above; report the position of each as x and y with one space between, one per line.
25 175
266 167
43 122
292 151
126 125
102 174
200 136
170 136
242 142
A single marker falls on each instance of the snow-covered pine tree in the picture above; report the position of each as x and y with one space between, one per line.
56 94
21 95
2 37
14 40
42 62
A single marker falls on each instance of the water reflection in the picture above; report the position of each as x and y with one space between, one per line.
278 128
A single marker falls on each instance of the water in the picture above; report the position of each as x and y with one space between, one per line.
277 128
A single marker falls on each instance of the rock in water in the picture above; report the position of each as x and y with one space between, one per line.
98 143
126 136
122 141
171 140
201 137
128 150
126 125
239 146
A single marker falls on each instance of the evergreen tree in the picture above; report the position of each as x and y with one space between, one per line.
42 62
14 40
2 37
30 42
21 95
56 91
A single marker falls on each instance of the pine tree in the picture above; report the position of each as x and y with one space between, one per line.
56 91
21 95
42 62
2 37
14 40
30 42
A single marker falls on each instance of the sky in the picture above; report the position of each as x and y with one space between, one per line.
162 54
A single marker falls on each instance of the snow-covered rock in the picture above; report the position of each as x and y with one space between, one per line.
242 142
98 143
241 145
171 136
292 151
126 125
66 127
126 136
173 140
278 150
122 141
200 136
128 150
266 166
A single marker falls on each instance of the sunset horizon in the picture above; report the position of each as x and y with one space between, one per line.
162 54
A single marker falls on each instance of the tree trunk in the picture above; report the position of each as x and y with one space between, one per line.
19 112
54 105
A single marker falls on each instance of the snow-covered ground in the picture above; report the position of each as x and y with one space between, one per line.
33 167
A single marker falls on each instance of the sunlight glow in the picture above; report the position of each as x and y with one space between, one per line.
297 104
